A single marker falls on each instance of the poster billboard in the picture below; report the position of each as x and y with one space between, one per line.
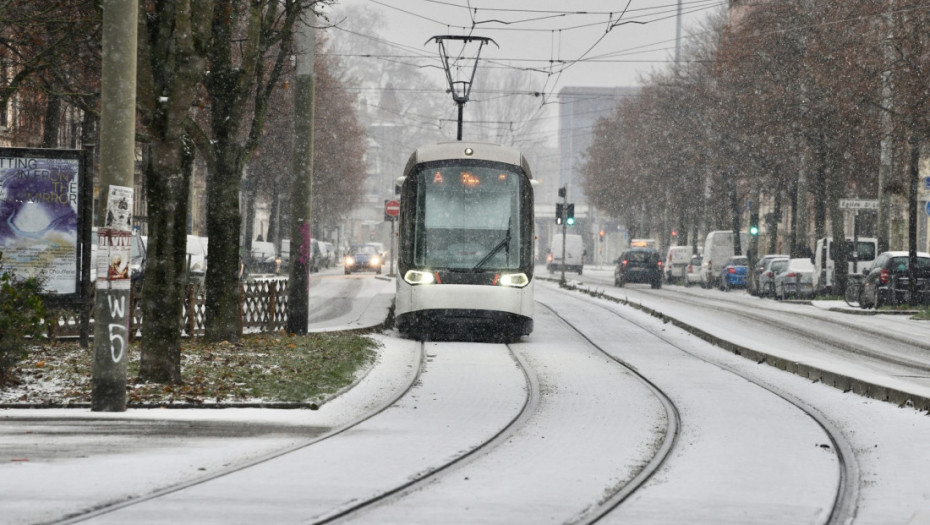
39 208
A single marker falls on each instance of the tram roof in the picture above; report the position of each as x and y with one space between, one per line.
457 150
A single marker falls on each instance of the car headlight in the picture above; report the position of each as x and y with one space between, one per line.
350 261
374 261
515 280
419 277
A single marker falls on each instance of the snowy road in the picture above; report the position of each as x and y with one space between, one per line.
603 412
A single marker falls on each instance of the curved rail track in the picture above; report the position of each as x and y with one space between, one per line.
104 509
847 494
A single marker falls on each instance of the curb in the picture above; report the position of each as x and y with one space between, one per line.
815 374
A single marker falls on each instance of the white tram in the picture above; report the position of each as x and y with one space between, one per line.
465 246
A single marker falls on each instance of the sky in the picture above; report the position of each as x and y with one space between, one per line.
598 43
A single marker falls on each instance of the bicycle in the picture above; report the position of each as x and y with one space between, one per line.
853 290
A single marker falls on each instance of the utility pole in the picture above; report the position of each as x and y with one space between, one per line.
886 155
563 193
114 215
298 293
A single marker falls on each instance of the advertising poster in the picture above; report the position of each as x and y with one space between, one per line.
39 196
114 241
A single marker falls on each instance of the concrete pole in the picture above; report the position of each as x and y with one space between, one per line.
114 214
301 257
886 155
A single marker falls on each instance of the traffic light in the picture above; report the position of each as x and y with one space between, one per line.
562 192
754 224
558 213
570 214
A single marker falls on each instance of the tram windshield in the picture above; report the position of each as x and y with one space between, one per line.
468 218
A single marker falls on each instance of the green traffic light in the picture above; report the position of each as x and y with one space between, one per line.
753 230
570 221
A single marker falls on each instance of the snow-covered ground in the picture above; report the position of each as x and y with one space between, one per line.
744 456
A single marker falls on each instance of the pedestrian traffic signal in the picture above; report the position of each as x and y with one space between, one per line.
570 214
558 213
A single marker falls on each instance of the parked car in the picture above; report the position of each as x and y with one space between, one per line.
858 258
767 276
262 259
886 281
733 273
796 280
754 284
676 264
362 258
639 265
693 273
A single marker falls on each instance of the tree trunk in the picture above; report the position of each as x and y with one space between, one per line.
838 228
223 226
820 191
167 175
913 179
734 214
52 121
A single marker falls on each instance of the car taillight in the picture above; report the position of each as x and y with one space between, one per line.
791 274
660 263
768 274
884 276
624 263
731 270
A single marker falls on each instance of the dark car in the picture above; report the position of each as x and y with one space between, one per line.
363 258
639 265
886 280
733 274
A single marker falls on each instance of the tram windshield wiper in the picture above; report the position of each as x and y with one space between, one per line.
504 243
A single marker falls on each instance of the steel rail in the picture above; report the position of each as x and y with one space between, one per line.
847 494
107 508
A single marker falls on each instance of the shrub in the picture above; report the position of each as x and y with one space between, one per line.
21 316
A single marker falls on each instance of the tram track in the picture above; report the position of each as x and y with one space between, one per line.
107 508
670 435
847 494
348 505
430 476
808 334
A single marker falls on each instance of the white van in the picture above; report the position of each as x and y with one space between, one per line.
825 266
718 248
574 254
676 264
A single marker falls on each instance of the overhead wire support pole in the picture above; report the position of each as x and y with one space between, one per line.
460 89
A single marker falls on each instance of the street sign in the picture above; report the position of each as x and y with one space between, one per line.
927 207
391 209
858 204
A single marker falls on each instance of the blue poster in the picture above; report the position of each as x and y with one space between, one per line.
39 217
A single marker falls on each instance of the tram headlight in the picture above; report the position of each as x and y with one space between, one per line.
515 280
419 277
